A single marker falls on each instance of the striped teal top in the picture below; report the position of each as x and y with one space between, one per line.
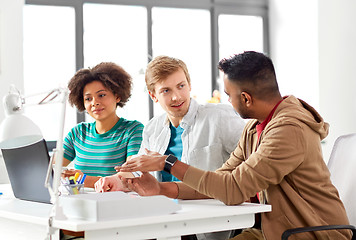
97 154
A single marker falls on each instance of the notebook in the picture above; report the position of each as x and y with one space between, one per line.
27 169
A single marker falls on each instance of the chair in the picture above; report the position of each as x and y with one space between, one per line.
342 166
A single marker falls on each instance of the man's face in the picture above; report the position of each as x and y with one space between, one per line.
173 94
236 98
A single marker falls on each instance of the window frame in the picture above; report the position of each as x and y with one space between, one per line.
216 7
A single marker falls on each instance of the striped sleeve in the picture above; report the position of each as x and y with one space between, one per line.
135 139
68 146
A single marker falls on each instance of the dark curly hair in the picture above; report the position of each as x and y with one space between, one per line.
112 76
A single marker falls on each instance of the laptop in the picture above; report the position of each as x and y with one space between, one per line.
27 169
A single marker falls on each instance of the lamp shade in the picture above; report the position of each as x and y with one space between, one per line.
17 130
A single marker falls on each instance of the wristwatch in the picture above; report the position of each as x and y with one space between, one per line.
169 162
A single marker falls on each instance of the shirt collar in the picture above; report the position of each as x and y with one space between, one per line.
261 126
189 117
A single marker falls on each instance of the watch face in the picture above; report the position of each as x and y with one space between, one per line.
171 159
169 162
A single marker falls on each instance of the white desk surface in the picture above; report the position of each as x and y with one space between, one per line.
196 216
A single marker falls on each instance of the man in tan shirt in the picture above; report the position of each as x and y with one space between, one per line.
278 156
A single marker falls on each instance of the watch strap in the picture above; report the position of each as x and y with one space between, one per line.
169 162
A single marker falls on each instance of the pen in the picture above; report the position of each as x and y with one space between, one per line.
76 176
83 178
78 180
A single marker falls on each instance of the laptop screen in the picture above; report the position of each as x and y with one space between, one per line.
27 169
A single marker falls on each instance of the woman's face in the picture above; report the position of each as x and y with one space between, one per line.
99 102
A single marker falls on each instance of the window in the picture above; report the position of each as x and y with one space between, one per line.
238 33
61 37
114 33
49 62
177 37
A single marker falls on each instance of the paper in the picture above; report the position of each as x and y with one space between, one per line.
115 205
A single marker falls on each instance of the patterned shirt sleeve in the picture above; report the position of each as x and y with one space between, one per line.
68 146
135 139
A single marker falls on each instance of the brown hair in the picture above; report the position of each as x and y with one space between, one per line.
160 68
112 76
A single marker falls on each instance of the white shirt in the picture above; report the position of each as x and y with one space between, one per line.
211 133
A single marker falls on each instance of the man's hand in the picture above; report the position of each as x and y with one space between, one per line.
152 161
110 184
145 185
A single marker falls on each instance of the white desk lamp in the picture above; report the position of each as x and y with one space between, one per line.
18 130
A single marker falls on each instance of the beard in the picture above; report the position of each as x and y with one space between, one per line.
243 112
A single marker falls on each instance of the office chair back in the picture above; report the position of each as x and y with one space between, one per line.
342 166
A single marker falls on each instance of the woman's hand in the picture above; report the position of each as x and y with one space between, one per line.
111 184
152 161
70 172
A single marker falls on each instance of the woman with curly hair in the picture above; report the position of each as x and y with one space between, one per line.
97 147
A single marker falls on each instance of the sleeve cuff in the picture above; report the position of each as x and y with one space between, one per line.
191 180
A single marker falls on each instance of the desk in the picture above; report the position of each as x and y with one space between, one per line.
28 220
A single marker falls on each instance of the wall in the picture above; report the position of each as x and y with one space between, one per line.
11 63
294 49
337 64
313 48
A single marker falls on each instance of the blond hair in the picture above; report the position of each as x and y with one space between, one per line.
160 68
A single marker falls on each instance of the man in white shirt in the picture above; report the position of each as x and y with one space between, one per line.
210 132
200 135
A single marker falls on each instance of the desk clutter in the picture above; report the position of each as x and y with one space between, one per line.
73 185
80 204
115 205
72 189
